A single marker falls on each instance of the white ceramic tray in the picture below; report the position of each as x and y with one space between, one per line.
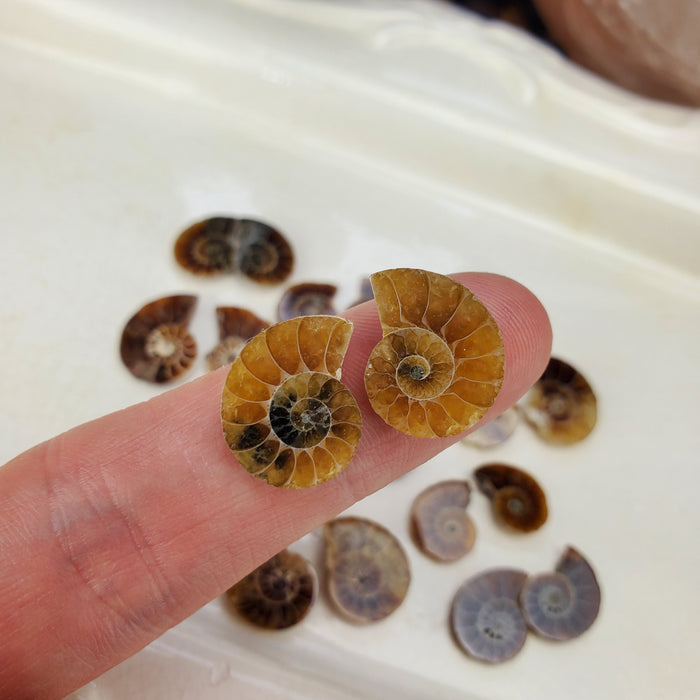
375 134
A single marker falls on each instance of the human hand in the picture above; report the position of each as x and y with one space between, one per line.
120 528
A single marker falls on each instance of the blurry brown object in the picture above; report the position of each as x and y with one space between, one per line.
307 299
521 13
278 594
648 46
517 499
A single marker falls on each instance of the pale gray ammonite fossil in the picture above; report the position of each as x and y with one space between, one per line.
561 406
366 567
236 327
564 603
155 344
278 594
226 244
286 415
440 364
440 525
486 619
496 431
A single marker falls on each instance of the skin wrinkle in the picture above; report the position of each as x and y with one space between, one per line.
132 475
101 520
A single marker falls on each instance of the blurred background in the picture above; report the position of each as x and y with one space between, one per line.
553 142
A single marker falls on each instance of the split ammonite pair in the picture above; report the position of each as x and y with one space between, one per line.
435 372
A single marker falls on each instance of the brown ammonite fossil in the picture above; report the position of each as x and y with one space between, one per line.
517 499
285 414
236 327
561 406
307 299
227 244
440 364
155 344
367 569
439 522
278 594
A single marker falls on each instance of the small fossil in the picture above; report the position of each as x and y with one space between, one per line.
307 299
368 572
561 406
206 248
236 327
562 604
262 253
495 431
278 594
439 366
225 244
516 497
285 414
487 622
155 343
439 523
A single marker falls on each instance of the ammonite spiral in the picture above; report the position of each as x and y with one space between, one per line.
561 406
278 594
562 604
439 523
487 622
368 572
236 327
155 343
518 500
225 244
440 364
285 414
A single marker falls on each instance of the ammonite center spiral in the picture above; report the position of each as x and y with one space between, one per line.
259 257
300 420
167 340
425 366
214 252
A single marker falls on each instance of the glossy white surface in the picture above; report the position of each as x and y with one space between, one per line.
375 134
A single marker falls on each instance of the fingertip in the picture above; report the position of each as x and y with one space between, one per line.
525 328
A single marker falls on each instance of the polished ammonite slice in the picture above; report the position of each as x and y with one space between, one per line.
440 364
285 413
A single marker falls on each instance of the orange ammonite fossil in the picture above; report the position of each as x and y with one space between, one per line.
440 364
285 414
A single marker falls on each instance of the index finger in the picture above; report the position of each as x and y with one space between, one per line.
120 528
